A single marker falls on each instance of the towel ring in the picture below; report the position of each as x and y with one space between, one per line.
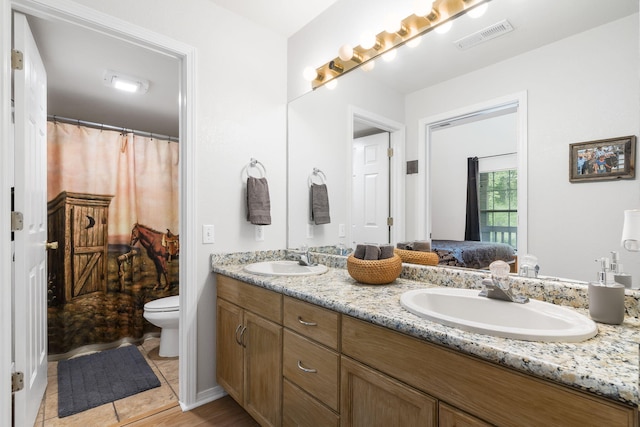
319 174
253 164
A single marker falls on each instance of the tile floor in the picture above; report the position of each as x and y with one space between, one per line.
119 411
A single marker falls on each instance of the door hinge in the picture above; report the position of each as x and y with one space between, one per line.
390 221
17 381
389 152
17 221
17 60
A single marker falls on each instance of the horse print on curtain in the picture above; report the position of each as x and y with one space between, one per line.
109 195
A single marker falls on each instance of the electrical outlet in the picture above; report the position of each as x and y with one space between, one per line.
342 231
259 233
208 236
309 231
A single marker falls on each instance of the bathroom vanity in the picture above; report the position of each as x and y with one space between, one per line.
326 351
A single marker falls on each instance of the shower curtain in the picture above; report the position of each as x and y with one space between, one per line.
113 208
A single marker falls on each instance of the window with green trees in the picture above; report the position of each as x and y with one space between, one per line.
499 206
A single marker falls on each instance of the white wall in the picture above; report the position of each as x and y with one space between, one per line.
590 95
241 113
319 136
450 148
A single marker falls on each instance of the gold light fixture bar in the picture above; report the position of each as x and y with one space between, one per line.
411 27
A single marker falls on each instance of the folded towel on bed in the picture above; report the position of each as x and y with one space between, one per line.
258 203
319 204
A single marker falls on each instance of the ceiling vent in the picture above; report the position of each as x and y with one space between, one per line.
488 33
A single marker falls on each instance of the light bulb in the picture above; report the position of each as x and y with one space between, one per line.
309 74
414 42
422 7
368 40
393 24
369 65
443 28
477 12
345 52
389 55
331 84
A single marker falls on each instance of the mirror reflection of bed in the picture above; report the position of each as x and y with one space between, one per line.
473 254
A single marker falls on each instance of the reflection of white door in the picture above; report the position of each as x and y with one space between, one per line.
30 269
370 199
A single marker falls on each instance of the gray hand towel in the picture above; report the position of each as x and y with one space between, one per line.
422 245
386 251
359 252
319 204
371 252
258 203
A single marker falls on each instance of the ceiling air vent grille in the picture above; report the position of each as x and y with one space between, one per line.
488 33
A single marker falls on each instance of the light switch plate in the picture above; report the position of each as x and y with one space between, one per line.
342 231
208 235
309 231
259 233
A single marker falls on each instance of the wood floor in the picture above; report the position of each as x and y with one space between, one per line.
219 413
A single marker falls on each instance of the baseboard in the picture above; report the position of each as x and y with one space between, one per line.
205 396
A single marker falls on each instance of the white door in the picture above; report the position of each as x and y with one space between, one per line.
30 268
370 198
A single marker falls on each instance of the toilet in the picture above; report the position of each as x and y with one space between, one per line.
165 313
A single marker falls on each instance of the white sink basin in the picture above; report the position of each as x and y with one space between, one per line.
533 321
285 268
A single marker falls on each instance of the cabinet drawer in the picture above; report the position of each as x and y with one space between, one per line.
312 367
263 302
315 322
299 409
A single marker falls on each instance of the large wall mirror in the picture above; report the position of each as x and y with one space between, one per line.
575 66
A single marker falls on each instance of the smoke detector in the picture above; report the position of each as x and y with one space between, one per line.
486 34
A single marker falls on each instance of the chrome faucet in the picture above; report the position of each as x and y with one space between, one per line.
496 290
497 286
304 258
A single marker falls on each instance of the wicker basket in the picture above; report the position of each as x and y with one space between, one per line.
374 272
418 257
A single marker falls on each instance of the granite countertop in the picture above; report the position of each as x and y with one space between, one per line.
607 365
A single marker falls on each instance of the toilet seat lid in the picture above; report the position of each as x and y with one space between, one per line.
163 304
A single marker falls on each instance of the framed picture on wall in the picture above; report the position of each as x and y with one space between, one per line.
604 159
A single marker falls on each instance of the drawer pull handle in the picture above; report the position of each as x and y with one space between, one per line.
302 368
306 323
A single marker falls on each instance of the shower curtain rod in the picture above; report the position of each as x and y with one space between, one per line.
54 118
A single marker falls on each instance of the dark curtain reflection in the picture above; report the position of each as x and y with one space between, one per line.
472 223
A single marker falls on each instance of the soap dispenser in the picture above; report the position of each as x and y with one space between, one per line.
606 297
618 272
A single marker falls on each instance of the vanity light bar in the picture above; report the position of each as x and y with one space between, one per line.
411 27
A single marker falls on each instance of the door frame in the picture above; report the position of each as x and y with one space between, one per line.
396 167
427 125
186 55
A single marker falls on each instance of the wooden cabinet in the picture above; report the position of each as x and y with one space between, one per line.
448 416
324 369
497 395
371 399
249 348
311 364
79 222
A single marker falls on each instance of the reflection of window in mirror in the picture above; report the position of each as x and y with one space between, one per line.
498 194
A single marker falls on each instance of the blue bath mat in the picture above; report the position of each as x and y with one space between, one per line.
93 380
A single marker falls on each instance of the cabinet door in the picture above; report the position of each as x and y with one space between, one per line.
448 416
299 409
371 399
229 352
263 369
